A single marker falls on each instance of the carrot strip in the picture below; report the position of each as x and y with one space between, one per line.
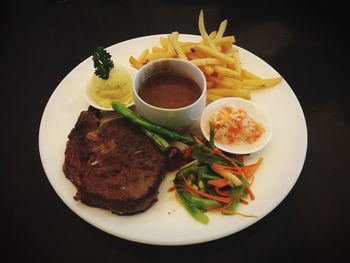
182 188
237 167
243 201
224 168
237 213
255 167
221 192
219 209
172 189
213 197
221 182
250 193
248 167
216 151
234 179
221 154
221 166
251 179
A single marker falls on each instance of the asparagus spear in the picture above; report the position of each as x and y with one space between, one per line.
174 156
135 118
159 140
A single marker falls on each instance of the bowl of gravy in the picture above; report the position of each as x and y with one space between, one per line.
170 92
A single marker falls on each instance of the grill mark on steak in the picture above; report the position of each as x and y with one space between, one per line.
113 165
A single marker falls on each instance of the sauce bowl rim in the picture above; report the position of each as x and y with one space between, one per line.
202 87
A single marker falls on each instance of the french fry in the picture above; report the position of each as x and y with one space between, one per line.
187 48
206 61
192 56
170 53
227 72
164 42
158 49
142 59
226 82
233 80
214 53
208 70
225 92
222 29
198 53
212 97
210 84
261 83
212 35
133 61
224 40
237 61
249 75
220 76
206 39
173 42
211 78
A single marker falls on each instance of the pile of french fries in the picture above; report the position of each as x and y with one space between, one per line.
216 56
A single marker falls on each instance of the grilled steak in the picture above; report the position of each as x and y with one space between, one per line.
113 165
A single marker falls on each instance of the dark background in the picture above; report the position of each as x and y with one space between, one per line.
307 43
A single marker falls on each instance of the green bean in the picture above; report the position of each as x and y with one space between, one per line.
232 206
203 176
209 176
209 158
212 135
186 171
201 183
195 212
237 192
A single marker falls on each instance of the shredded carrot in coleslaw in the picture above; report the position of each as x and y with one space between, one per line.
233 125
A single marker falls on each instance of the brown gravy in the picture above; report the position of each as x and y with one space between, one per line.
169 90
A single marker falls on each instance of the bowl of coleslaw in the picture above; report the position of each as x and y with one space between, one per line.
238 125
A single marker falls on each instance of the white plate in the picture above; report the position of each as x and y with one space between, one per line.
166 222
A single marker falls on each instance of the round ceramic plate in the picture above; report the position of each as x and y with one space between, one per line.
167 222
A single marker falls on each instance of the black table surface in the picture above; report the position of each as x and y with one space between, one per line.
42 41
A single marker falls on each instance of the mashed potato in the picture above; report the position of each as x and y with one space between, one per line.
118 87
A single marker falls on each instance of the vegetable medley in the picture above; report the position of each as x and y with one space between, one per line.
215 182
